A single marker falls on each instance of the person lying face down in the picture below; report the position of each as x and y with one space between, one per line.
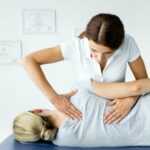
38 124
91 131
48 125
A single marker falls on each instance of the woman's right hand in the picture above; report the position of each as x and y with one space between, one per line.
63 104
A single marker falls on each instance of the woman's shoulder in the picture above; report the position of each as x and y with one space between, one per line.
130 48
75 43
128 41
127 36
72 48
81 43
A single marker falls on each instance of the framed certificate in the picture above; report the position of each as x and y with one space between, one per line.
38 21
10 51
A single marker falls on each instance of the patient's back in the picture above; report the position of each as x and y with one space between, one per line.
92 132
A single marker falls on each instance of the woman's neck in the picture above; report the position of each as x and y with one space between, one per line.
56 119
102 66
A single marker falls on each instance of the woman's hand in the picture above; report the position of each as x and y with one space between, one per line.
120 109
41 112
62 103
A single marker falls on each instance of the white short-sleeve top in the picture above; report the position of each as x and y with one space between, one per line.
78 51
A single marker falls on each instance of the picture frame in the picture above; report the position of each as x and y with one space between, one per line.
10 51
38 21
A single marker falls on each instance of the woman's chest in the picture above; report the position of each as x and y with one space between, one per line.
111 71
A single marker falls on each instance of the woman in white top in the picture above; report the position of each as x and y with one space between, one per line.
101 53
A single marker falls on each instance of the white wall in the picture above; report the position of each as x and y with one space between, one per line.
17 92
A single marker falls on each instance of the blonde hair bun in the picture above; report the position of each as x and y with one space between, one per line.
48 134
29 127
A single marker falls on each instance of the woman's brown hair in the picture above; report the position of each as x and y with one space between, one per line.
105 29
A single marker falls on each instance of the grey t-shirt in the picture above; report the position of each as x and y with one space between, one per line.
91 130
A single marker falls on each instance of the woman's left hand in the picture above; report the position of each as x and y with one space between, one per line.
120 109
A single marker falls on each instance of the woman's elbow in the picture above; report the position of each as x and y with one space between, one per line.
25 60
28 59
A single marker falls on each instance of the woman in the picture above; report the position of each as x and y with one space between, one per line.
91 131
102 53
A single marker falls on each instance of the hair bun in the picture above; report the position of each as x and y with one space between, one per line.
48 134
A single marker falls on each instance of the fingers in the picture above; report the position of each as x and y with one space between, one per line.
119 119
119 110
68 95
109 113
36 111
73 114
66 107
75 111
71 111
111 103
68 115
112 118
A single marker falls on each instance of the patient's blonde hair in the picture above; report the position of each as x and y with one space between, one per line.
29 127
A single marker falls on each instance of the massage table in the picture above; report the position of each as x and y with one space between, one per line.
11 144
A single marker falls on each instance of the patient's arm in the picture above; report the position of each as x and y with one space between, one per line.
121 89
41 112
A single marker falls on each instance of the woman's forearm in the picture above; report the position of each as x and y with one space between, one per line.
35 72
121 89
